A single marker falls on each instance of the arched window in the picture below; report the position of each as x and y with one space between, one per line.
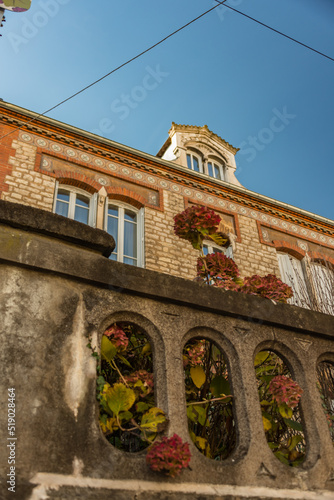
75 204
322 278
194 162
216 170
293 274
126 224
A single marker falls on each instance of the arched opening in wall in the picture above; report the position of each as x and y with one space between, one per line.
322 283
279 397
325 384
128 417
209 400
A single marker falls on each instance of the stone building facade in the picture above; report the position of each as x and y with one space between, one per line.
55 167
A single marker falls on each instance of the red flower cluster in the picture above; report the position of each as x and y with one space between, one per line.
143 376
195 354
218 267
195 224
285 390
268 286
117 337
170 455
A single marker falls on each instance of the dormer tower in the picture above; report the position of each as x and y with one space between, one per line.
200 150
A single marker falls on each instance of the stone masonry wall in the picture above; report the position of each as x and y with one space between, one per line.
251 256
165 252
24 184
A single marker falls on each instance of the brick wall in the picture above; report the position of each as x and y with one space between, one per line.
23 184
251 256
164 251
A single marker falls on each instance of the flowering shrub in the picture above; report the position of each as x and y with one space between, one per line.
117 337
209 403
196 224
170 455
193 354
279 395
285 390
218 267
128 416
268 286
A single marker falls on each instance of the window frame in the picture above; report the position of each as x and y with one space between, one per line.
73 192
299 293
192 155
227 251
221 167
119 250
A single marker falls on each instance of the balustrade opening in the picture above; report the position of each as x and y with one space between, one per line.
209 399
279 398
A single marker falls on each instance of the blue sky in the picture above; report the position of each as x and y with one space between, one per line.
257 90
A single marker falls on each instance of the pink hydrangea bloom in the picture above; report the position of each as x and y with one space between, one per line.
194 354
170 455
145 377
195 224
118 337
285 390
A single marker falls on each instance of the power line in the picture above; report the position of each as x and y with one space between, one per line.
115 69
276 31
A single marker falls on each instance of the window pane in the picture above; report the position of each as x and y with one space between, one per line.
128 260
113 211
210 171
113 228
130 216
62 208
130 239
217 172
81 214
189 162
63 195
205 249
82 201
195 163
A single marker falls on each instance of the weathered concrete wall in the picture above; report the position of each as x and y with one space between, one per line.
57 289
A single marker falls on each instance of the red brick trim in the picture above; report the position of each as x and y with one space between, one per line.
188 201
321 258
77 180
123 194
290 233
285 246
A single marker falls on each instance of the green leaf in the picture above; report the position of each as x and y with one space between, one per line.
141 407
219 386
154 420
261 357
108 350
285 411
266 424
120 398
219 238
281 457
265 403
198 376
125 415
124 360
294 441
201 442
197 413
296 426
146 349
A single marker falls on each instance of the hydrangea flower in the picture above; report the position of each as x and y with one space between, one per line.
194 354
285 390
118 337
170 455
268 286
195 224
146 379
